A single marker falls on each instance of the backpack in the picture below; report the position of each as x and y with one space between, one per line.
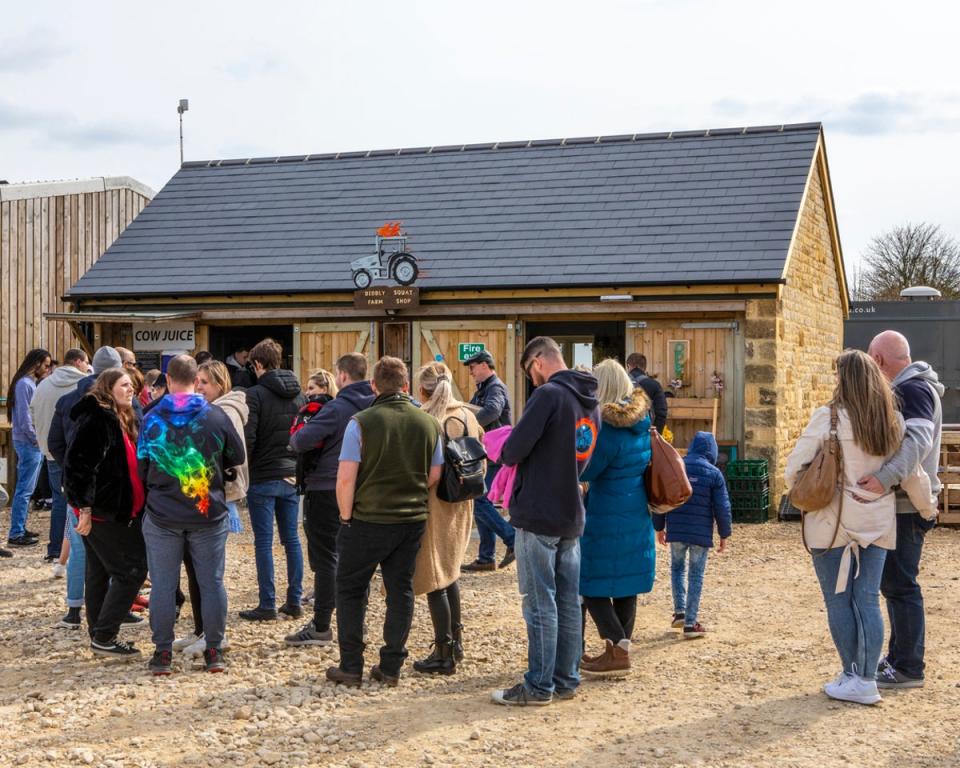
463 473
307 462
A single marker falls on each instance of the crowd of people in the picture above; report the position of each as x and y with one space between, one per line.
148 473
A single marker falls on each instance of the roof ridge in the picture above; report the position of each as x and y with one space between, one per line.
626 138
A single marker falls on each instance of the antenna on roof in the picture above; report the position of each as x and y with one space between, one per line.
182 107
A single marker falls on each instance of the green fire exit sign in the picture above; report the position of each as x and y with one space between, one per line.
470 349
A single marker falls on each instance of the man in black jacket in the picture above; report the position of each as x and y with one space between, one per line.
550 446
637 368
273 403
321 516
494 403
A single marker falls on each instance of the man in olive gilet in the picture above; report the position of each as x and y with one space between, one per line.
391 457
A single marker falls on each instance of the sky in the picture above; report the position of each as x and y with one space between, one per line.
91 89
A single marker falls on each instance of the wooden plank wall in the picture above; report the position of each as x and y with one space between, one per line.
322 349
448 341
707 353
46 245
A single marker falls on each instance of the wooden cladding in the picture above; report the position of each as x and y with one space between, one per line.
708 351
321 346
443 339
46 245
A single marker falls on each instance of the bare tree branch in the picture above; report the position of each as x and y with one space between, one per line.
908 255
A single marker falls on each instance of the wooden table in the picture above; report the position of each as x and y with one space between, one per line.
949 475
6 449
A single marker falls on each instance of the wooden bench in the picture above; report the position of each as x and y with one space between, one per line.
949 475
694 409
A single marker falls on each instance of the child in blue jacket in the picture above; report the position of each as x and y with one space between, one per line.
689 529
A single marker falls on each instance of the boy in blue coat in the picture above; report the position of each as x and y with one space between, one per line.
689 529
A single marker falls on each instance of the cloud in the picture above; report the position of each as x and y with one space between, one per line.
867 114
27 53
249 67
66 130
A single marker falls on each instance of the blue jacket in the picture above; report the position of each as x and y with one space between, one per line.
692 523
617 549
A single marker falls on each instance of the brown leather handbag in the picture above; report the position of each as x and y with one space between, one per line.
820 480
665 478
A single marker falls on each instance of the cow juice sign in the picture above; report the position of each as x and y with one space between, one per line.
157 337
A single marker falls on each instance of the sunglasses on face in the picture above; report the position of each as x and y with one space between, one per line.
526 370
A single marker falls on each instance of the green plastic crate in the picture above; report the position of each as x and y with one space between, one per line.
746 501
748 484
742 468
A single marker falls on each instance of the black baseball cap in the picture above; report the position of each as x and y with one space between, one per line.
480 357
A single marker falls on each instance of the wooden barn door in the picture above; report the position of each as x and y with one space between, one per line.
320 345
707 348
442 339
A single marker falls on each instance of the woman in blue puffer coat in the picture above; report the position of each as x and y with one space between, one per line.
617 549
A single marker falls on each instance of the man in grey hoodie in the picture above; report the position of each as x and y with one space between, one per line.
918 390
42 407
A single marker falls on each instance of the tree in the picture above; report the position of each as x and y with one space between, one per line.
908 255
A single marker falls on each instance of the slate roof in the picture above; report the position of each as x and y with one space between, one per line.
713 206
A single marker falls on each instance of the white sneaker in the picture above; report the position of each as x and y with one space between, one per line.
833 687
197 648
854 688
185 642
59 570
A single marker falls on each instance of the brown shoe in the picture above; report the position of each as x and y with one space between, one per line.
476 565
613 662
338 676
382 677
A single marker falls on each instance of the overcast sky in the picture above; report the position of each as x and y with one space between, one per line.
90 89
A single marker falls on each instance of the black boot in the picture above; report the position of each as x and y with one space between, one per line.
440 661
458 642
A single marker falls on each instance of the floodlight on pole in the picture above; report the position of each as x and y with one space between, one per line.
182 107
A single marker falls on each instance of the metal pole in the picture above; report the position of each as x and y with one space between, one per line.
181 138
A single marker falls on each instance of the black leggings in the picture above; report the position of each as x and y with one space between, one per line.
614 616
444 611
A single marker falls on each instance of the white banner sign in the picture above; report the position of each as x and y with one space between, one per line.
157 337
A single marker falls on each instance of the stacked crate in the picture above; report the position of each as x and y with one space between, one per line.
749 487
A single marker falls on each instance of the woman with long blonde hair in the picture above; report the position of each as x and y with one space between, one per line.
617 548
849 538
447 534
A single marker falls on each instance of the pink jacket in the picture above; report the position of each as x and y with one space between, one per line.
502 485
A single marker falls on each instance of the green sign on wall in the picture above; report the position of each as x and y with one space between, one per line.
470 349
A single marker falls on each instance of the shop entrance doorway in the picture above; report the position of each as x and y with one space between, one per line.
583 343
226 339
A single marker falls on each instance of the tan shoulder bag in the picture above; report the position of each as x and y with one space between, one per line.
820 480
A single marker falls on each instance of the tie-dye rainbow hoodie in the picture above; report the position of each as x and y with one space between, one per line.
185 447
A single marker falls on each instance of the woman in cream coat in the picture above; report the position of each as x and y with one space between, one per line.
849 564
447 533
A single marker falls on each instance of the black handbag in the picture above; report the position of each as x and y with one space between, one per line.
463 473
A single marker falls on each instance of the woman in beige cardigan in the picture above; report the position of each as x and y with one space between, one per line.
447 533
848 557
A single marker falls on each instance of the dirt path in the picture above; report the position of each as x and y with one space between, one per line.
747 695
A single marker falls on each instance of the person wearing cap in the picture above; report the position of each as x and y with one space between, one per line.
494 411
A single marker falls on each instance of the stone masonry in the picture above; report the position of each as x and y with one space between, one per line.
791 344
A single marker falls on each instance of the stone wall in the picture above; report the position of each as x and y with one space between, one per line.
791 344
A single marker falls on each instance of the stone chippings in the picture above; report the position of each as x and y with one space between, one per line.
746 695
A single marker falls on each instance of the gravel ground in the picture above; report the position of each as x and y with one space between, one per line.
748 694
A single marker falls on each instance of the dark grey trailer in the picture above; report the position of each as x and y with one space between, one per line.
931 327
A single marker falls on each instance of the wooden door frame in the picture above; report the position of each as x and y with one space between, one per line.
368 338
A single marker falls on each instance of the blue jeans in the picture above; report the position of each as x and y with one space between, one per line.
856 623
548 571
490 523
904 599
76 563
687 586
207 548
28 470
266 501
58 512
